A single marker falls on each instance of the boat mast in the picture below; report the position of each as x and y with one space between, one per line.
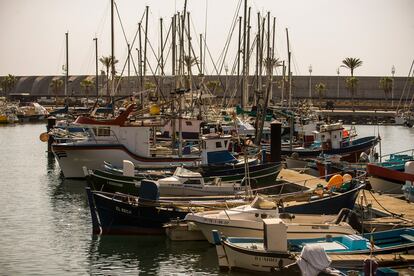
96 66
289 70
244 86
67 64
112 50
145 43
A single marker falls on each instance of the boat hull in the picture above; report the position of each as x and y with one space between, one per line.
114 182
113 216
234 257
387 180
255 229
72 159
330 205
349 153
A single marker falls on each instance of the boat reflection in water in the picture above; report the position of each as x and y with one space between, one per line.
117 255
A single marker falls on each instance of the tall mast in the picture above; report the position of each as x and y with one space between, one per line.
161 57
96 67
238 61
289 71
201 54
67 64
145 43
129 68
243 98
112 49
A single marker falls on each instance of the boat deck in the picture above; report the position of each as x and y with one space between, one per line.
388 204
300 178
395 211
383 260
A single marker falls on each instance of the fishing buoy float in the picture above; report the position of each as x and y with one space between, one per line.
44 137
335 181
154 109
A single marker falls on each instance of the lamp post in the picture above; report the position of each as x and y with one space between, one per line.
392 87
310 81
337 83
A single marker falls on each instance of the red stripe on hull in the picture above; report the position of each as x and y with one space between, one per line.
389 174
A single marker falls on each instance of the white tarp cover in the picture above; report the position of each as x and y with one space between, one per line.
313 260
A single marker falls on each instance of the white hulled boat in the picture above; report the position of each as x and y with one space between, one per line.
122 139
247 221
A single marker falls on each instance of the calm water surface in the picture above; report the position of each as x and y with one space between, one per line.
46 226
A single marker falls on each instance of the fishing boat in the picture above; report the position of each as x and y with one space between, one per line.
31 112
118 180
389 176
322 201
116 213
247 221
122 139
332 140
188 183
275 251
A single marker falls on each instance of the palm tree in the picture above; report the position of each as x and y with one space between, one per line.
385 84
56 86
320 89
86 85
352 64
351 84
8 83
107 62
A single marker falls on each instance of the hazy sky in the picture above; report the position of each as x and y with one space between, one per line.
322 32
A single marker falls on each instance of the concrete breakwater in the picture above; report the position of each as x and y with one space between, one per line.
228 87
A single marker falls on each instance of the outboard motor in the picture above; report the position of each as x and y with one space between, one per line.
149 190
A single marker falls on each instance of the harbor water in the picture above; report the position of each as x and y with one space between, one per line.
46 225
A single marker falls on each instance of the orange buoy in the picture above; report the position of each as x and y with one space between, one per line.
335 181
44 137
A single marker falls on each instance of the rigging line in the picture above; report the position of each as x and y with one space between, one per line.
192 49
136 33
102 23
230 33
152 71
205 37
405 86
120 22
61 56
412 97
89 58
409 91
163 44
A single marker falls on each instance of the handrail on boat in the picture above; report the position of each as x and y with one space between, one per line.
398 152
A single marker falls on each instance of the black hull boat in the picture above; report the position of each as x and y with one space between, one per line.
120 214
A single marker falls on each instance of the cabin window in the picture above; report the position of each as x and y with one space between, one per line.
102 131
188 123
263 216
256 215
225 143
335 136
323 136
218 145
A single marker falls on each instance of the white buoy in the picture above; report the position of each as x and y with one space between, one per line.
128 168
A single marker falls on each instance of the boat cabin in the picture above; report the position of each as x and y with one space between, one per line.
215 149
